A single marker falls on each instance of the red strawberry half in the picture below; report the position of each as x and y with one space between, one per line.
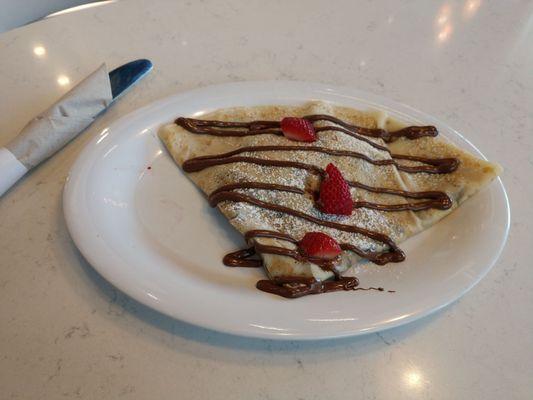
320 245
298 129
335 195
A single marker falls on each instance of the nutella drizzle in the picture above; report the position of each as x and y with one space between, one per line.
409 132
433 166
273 127
241 258
292 287
395 254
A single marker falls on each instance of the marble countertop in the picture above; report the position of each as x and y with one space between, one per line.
66 333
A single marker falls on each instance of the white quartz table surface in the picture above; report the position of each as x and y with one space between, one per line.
65 333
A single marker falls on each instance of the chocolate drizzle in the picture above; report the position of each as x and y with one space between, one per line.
409 132
293 287
209 127
241 258
432 165
225 128
394 254
439 200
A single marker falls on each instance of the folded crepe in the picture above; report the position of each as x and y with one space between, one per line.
400 165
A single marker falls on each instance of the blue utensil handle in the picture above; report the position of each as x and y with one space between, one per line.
125 76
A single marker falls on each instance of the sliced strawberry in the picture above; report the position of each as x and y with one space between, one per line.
298 129
320 245
335 195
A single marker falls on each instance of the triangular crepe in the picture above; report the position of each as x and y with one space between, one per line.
470 176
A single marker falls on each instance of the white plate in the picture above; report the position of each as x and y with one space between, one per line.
145 227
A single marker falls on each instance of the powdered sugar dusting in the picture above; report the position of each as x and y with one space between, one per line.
245 217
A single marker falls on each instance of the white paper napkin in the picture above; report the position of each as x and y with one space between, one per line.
52 129
55 127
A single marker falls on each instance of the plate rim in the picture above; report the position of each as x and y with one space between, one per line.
70 212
